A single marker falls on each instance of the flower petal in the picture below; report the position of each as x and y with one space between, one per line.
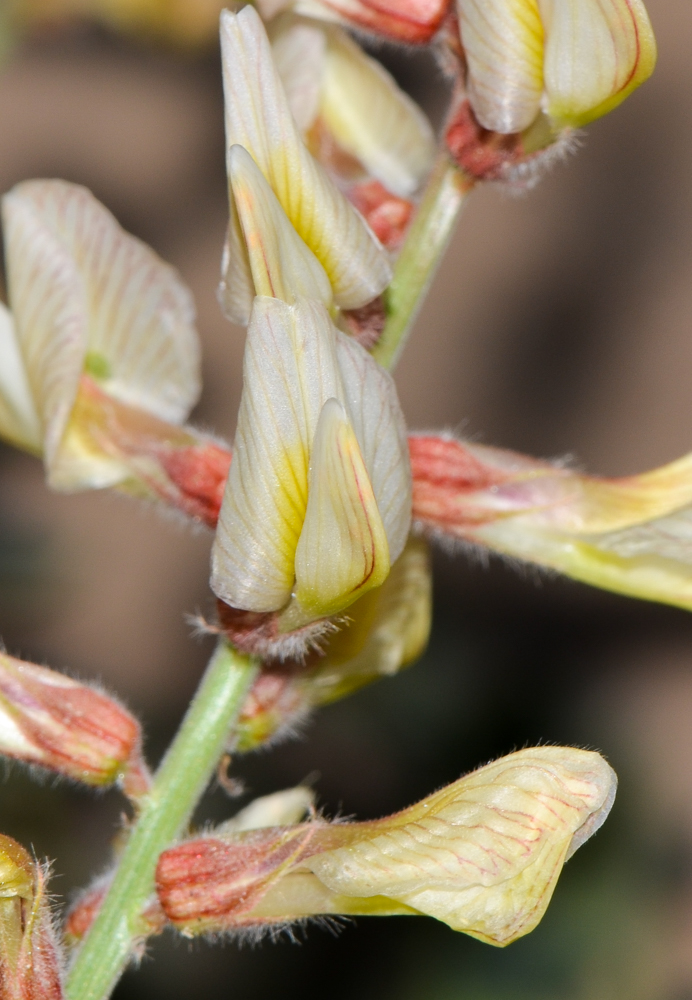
483 854
596 53
299 50
373 119
503 44
87 295
290 369
343 550
258 118
412 21
375 413
282 266
19 421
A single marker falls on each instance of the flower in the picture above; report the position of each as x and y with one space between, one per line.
630 535
385 630
318 501
30 966
483 855
49 719
259 119
368 134
532 70
99 358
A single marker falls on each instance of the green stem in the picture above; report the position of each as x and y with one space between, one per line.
425 244
166 811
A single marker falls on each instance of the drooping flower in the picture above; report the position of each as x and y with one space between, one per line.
631 535
531 70
369 135
99 359
49 719
259 119
318 501
483 855
30 963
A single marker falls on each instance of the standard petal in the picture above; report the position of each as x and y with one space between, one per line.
87 295
19 421
282 266
290 369
373 119
596 53
343 551
412 21
375 413
503 43
258 117
483 854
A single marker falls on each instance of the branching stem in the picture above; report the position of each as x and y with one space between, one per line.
176 790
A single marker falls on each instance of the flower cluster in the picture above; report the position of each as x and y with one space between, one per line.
320 510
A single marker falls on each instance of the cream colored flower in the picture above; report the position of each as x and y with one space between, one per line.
318 501
573 60
483 855
259 119
96 315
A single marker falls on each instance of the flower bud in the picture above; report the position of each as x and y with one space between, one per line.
317 505
30 967
629 535
413 22
259 119
67 727
483 855
386 630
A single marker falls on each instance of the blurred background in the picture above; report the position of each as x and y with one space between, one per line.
560 323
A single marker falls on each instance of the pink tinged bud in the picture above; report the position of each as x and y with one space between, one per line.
630 535
67 727
30 961
413 22
483 855
89 299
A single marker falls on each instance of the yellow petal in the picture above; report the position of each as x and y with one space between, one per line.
290 368
282 266
503 44
19 421
343 550
373 119
258 118
86 295
483 854
388 628
597 52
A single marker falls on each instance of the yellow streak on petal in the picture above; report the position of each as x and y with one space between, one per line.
282 266
503 43
19 421
343 549
597 53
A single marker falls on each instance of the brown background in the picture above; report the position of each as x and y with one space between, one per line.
561 322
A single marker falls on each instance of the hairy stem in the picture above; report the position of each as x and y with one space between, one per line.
179 783
425 244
